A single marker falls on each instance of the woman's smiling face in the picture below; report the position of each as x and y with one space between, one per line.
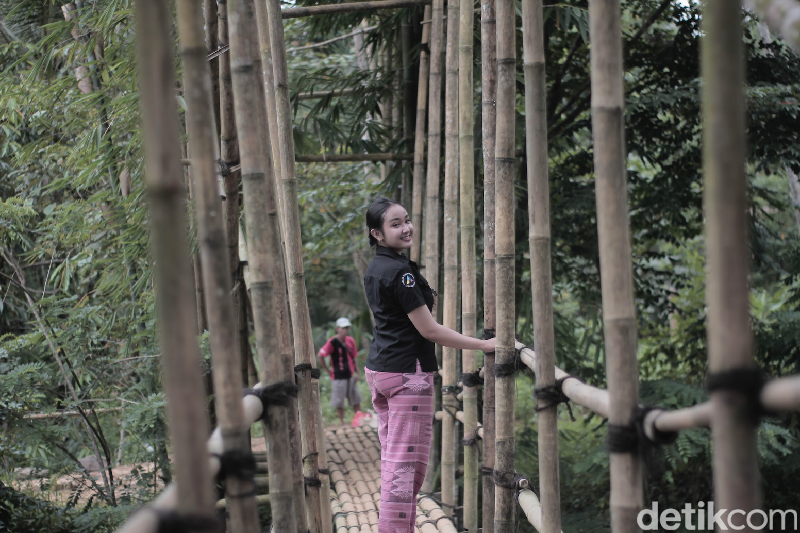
397 230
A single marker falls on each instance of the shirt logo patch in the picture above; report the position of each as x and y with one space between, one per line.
408 280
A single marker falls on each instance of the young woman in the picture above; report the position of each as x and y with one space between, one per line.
401 362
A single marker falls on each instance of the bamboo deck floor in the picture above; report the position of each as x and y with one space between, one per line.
354 460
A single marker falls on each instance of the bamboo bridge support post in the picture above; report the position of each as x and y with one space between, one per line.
432 183
310 415
213 254
730 338
419 139
619 318
183 384
469 304
540 242
211 25
505 165
277 228
488 127
449 363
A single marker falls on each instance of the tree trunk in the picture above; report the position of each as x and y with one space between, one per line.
619 318
172 268
450 308
729 334
504 245
540 242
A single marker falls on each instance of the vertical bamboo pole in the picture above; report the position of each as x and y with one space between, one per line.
432 183
449 362
254 181
505 164
405 104
277 267
730 339
211 234
176 313
469 303
488 126
212 43
301 323
419 138
387 107
539 239
619 319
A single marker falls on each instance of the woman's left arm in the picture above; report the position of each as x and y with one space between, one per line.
433 331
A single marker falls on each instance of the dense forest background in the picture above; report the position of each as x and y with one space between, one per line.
77 317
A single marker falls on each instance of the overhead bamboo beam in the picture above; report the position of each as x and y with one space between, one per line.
488 128
225 353
310 416
419 139
730 338
326 94
172 269
540 243
281 343
337 158
469 304
616 276
297 12
432 183
451 271
504 252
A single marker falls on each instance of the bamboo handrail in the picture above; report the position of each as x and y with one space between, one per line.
532 508
349 7
70 413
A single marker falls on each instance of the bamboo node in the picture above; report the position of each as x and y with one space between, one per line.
171 521
745 381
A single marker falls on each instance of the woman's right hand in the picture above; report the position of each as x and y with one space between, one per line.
489 345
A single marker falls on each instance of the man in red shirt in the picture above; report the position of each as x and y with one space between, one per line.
341 348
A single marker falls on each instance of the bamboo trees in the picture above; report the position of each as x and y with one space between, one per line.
468 271
449 362
316 496
224 335
189 424
432 182
730 339
619 319
541 282
488 125
504 246
419 137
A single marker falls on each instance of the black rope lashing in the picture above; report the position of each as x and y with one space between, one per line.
622 438
471 379
506 480
486 471
312 454
746 381
275 394
450 389
451 411
324 471
469 441
553 395
502 370
224 168
311 481
236 463
315 372
170 521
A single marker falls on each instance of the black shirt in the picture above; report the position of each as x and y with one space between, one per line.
394 288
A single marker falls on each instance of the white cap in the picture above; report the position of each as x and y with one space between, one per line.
343 323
